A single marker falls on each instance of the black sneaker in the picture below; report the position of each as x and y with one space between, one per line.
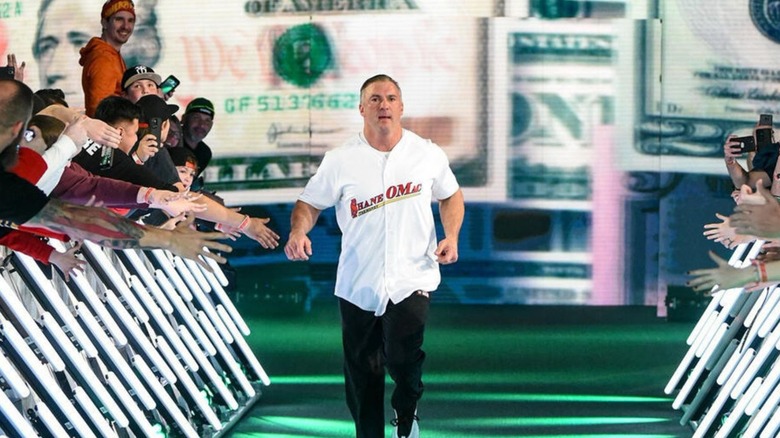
406 426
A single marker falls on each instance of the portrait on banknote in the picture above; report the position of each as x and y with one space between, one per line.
285 76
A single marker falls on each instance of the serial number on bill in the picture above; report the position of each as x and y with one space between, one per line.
10 9
292 102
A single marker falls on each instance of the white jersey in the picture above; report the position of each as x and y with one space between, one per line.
383 208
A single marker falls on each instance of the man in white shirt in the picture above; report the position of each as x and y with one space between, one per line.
382 182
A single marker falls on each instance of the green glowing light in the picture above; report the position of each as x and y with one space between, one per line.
322 379
579 435
441 378
554 398
326 379
573 435
550 421
309 426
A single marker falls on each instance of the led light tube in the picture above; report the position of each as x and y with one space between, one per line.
243 346
83 369
139 419
140 338
163 324
226 355
116 359
207 368
185 315
190 387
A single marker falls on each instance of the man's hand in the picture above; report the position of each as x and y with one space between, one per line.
723 233
721 277
748 196
447 251
67 262
171 223
257 230
731 150
182 205
159 197
298 247
18 69
84 127
101 132
191 244
147 147
762 221
770 251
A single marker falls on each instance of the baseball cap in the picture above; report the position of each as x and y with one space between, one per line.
137 73
153 106
183 156
111 7
200 105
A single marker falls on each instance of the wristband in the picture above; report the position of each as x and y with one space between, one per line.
760 271
148 195
244 223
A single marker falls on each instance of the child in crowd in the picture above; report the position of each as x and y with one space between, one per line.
186 165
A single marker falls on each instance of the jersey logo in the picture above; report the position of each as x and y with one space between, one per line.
392 194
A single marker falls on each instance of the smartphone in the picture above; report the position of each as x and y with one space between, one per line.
746 144
169 84
763 137
7 72
155 128
106 157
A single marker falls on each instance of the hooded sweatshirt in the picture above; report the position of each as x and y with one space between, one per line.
102 72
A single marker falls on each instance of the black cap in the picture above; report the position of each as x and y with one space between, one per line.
182 155
137 73
153 106
200 105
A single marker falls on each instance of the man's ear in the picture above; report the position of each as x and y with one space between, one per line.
17 127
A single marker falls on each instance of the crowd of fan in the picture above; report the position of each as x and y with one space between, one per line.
124 171
756 217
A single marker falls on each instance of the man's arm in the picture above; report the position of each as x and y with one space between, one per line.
108 229
80 127
253 227
302 220
451 211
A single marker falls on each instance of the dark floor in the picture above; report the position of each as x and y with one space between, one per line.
520 371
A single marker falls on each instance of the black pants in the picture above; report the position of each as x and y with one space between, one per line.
371 344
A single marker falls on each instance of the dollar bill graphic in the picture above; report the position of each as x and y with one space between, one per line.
705 74
561 89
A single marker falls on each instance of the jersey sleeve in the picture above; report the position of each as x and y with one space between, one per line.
445 184
322 191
